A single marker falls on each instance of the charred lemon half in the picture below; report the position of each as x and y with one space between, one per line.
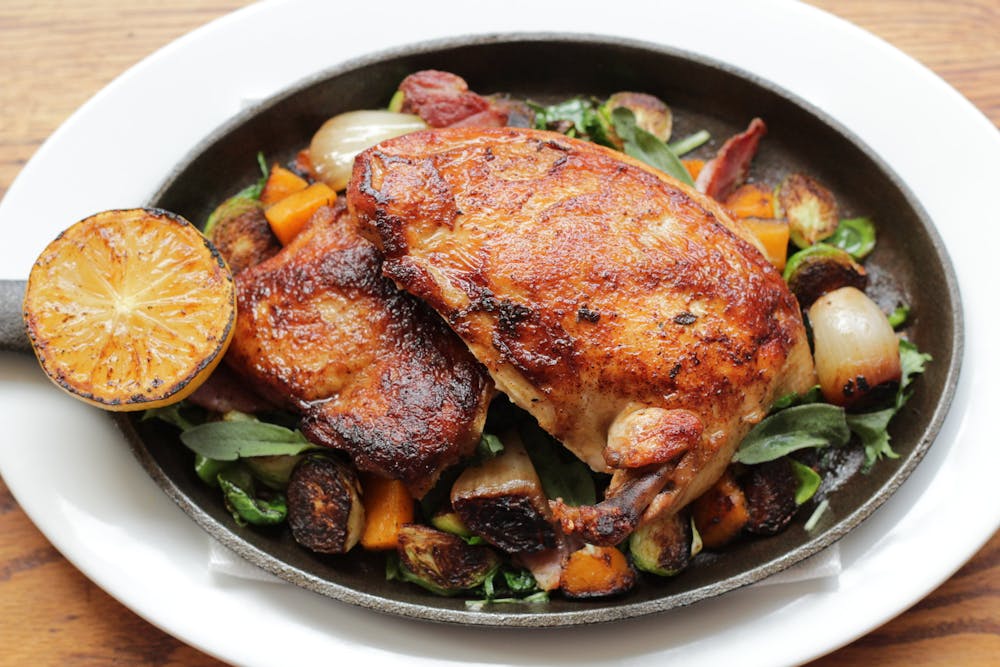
130 309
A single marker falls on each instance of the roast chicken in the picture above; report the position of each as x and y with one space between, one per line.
629 314
372 371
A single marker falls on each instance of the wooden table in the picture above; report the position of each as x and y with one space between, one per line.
54 55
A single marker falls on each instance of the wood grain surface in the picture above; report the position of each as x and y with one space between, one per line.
56 55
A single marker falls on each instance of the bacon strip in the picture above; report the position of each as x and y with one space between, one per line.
443 99
730 166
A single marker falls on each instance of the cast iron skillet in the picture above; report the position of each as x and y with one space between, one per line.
910 264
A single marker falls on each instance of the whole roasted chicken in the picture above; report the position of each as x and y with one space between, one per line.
372 371
629 314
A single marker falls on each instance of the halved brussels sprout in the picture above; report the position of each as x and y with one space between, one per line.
651 114
325 512
663 545
810 209
443 563
819 269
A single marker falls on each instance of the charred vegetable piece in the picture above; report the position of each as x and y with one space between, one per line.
502 501
443 563
597 571
651 114
663 545
388 507
240 231
751 200
280 183
773 237
325 512
810 209
855 349
770 490
822 268
720 514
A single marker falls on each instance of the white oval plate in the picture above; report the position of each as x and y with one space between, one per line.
73 474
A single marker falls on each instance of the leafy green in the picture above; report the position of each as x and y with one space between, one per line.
809 481
689 143
230 440
583 116
898 317
239 491
208 469
804 426
644 146
565 477
812 395
872 427
489 446
855 235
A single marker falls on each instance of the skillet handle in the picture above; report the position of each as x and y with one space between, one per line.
13 336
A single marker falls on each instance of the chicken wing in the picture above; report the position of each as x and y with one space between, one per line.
371 370
628 313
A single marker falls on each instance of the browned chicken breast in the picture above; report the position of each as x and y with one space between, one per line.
628 313
373 371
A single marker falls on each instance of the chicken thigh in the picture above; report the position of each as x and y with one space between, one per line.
629 314
372 371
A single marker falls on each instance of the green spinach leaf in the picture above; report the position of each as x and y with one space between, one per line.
644 146
805 426
230 440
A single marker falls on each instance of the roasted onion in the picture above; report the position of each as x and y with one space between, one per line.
855 348
340 139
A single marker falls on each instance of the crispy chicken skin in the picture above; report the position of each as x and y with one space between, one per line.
627 312
373 371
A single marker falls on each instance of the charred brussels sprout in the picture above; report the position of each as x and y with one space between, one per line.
443 563
325 512
663 546
810 209
242 234
822 268
244 502
856 236
272 471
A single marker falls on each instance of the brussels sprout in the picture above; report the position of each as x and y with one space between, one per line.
325 512
856 236
450 522
662 546
443 563
822 268
810 209
242 234
243 501
651 114
272 471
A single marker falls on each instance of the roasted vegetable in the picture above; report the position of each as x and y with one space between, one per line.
855 349
280 183
770 490
289 216
773 237
663 546
856 236
325 512
242 234
651 114
441 562
594 571
502 501
388 507
341 138
243 501
751 200
450 522
819 269
810 209
720 514
273 471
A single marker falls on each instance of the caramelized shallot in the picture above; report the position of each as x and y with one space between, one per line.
856 351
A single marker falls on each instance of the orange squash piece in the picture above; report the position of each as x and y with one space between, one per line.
388 507
289 216
280 183
773 235
596 571
694 167
751 200
720 514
